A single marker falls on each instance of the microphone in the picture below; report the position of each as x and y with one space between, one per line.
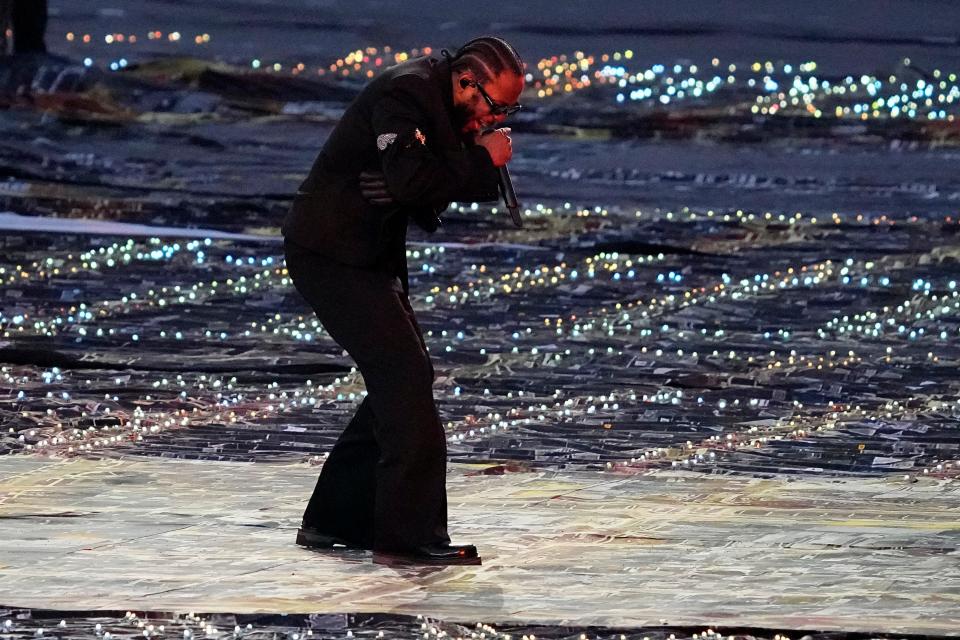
506 190
510 197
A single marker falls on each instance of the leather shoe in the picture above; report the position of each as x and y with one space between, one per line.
435 554
316 539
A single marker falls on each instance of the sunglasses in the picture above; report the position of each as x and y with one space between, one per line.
495 108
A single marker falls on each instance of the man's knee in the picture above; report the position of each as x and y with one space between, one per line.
421 447
407 365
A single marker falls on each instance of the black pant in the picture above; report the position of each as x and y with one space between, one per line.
384 483
29 18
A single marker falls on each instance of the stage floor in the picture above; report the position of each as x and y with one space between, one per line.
578 548
711 383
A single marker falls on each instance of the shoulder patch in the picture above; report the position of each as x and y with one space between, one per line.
384 140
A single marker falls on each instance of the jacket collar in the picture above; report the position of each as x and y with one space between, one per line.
442 74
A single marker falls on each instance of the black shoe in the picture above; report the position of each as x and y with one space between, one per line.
436 554
316 539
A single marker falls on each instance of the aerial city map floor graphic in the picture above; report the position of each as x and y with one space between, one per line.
709 390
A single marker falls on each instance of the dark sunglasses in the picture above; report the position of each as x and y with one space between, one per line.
497 109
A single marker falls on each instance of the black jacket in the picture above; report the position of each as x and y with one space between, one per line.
400 124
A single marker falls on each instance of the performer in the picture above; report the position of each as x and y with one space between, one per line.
26 20
411 142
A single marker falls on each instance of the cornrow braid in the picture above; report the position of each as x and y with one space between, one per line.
488 57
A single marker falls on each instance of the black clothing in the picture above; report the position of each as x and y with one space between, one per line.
424 172
29 18
383 485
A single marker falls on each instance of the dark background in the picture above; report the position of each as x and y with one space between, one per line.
840 36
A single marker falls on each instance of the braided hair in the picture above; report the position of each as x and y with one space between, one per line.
488 57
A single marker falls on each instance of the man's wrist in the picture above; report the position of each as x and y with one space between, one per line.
488 176
484 153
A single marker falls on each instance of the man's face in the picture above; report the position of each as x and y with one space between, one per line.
473 113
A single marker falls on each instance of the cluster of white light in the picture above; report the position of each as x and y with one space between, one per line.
215 399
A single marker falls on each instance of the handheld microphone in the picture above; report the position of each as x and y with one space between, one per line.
506 190
510 197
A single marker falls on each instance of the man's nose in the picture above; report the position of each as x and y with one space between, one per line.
492 119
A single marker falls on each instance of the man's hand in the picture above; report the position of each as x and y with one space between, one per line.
498 145
373 188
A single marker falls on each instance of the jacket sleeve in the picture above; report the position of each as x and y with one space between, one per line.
415 173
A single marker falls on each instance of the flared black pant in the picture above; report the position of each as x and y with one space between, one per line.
384 482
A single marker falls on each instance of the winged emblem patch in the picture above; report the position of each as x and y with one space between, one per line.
384 140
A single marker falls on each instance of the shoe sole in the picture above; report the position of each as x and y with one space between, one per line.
393 560
319 541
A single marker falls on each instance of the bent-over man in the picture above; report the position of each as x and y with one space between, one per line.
416 138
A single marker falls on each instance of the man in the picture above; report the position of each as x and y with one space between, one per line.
26 20
415 139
